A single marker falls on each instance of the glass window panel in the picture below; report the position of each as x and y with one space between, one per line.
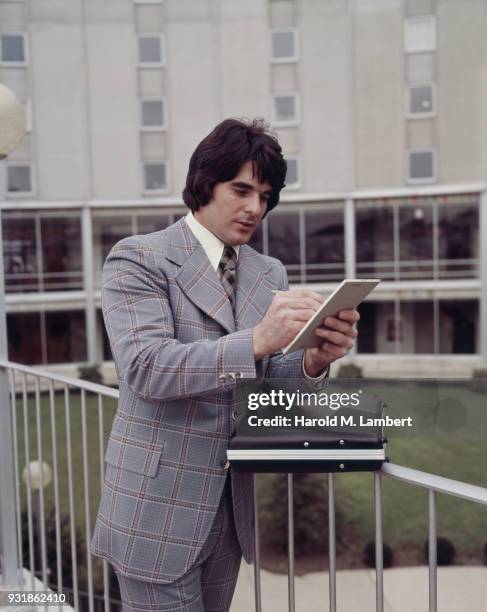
24 337
378 328
416 241
283 231
421 99
12 46
152 113
107 231
458 326
374 238
61 253
417 320
421 165
458 240
420 34
256 240
155 176
65 337
285 108
150 50
325 245
19 179
106 350
283 45
420 67
19 254
292 177
147 224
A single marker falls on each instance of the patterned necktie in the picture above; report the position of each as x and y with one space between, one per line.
228 273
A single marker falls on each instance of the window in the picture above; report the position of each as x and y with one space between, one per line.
421 101
415 240
421 166
19 179
13 49
420 67
458 240
325 243
61 252
374 240
293 178
458 326
155 177
153 114
24 337
26 102
65 336
151 50
420 34
284 46
20 252
284 241
285 109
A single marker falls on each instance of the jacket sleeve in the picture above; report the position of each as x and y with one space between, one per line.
291 366
139 322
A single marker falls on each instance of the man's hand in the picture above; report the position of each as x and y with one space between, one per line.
287 314
339 334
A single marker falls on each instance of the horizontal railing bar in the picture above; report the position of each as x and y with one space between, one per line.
66 380
436 483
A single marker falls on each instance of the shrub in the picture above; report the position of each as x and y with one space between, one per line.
310 514
445 551
91 374
479 380
369 555
350 370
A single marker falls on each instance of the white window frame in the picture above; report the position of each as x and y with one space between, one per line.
421 181
298 183
153 128
425 114
297 105
408 22
28 113
20 194
162 39
26 50
285 60
150 192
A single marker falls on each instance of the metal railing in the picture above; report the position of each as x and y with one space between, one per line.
70 396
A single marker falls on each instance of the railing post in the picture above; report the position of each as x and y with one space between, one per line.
9 556
483 276
332 542
379 546
290 541
432 553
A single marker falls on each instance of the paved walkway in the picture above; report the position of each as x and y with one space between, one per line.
460 589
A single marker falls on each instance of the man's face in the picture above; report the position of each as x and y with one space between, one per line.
236 208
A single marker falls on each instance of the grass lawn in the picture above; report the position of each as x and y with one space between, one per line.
405 507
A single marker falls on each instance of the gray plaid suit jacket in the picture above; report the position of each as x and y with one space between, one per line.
178 351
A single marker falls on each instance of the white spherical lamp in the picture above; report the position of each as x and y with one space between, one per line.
12 121
35 470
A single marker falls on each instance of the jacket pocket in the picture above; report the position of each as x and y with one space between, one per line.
134 455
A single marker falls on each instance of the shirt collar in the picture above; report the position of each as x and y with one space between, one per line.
212 245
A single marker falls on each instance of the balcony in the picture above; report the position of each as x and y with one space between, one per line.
65 422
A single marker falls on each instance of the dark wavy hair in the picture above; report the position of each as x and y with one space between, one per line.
220 155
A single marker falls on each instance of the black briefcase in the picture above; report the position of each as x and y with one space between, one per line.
341 448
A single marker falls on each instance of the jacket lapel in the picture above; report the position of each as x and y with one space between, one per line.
254 293
196 277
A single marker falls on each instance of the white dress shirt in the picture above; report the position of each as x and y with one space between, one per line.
212 245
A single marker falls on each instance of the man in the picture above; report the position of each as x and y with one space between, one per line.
190 310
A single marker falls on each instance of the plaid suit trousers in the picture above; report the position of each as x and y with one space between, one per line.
207 587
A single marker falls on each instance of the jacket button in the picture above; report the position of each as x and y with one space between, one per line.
231 376
225 464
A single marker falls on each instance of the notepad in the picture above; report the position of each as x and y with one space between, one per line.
347 295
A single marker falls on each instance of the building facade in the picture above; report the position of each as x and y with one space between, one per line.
379 106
